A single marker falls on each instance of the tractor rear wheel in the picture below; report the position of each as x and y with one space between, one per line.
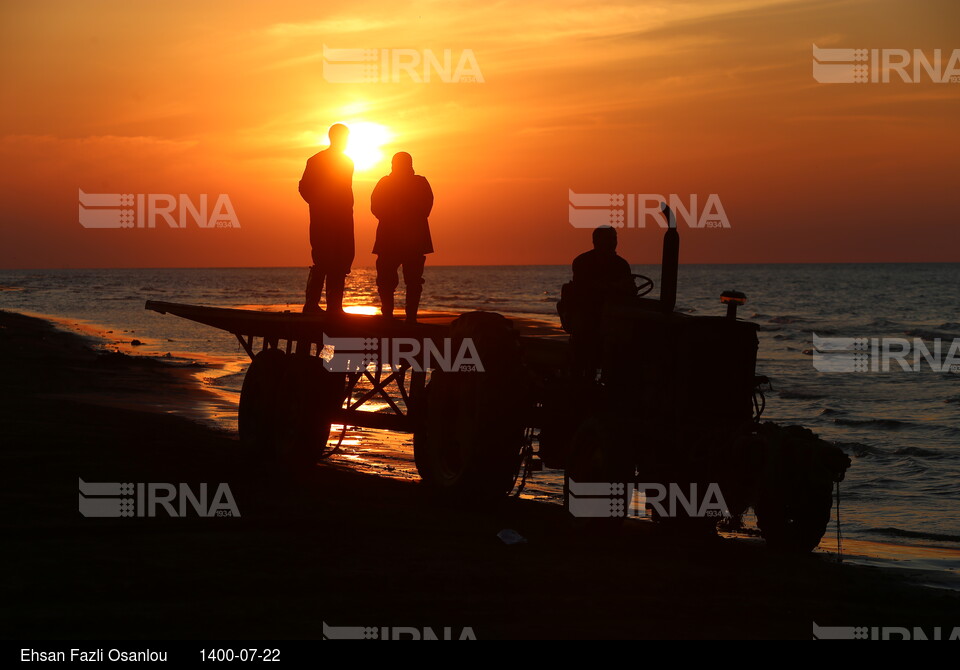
796 497
312 394
599 477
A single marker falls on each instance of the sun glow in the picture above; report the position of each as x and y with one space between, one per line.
368 310
365 143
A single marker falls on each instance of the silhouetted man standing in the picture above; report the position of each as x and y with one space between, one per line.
327 185
402 202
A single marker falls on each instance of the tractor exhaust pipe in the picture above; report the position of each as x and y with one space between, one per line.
670 261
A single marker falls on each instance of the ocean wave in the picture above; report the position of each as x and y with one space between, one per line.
548 310
879 483
228 380
799 395
881 322
919 452
829 411
899 532
890 424
858 449
177 362
929 334
787 319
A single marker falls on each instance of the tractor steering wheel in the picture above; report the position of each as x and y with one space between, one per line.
642 284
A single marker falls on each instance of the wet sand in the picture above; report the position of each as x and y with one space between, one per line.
345 547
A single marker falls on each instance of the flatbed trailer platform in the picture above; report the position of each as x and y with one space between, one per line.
303 337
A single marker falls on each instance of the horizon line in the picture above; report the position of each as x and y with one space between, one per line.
470 265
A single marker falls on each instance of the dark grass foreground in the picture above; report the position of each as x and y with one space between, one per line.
345 548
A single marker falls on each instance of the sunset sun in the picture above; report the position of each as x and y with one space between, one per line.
365 143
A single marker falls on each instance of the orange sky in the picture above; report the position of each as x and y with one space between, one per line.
644 97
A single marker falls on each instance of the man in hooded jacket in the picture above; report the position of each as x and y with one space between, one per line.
402 201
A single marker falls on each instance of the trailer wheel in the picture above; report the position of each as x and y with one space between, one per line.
311 394
285 407
471 443
262 414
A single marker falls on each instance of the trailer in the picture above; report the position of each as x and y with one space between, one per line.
640 395
296 355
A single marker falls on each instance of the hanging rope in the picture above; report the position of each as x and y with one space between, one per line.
336 449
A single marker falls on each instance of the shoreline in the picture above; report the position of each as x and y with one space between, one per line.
205 403
347 548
